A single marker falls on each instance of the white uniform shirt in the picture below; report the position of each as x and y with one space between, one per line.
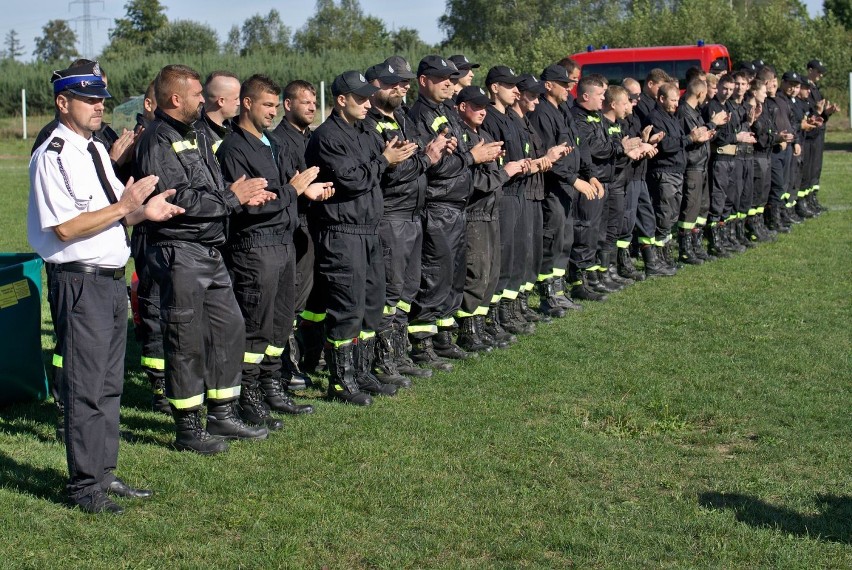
63 185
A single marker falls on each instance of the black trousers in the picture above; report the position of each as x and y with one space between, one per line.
795 177
352 278
557 232
443 269
203 328
304 247
694 188
482 257
587 221
514 243
147 329
723 187
746 196
264 285
780 174
612 216
402 243
809 167
761 167
638 215
90 320
535 224
819 150
666 189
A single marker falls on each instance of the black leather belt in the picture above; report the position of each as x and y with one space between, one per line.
77 267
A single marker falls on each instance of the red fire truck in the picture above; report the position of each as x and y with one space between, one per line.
616 64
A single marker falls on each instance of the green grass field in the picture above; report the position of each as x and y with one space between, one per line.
695 422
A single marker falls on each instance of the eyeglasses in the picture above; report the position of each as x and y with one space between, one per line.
633 97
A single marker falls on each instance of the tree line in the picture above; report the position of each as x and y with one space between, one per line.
526 35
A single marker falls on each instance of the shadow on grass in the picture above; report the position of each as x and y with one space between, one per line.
832 524
39 482
838 146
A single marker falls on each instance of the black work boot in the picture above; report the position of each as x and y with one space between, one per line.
547 303
653 266
561 295
224 421
470 338
715 244
191 436
341 375
298 380
384 364
253 410
311 338
625 266
278 399
685 252
752 230
510 320
740 234
365 350
444 346
698 244
605 277
593 282
768 235
529 314
485 336
729 229
788 215
403 361
580 288
422 352
607 260
494 327
667 255
159 402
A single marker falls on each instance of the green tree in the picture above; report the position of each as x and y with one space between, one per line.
185 37
14 47
341 26
232 44
143 19
57 42
265 33
840 9
407 39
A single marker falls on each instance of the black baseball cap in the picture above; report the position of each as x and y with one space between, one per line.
462 63
400 66
792 77
501 74
352 82
818 65
529 83
85 80
437 66
555 72
718 66
384 72
747 66
473 94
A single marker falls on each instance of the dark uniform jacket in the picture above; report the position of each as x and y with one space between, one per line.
779 109
404 186
671 151
616 131
725 134
172 150
697 154
533 183
602 149
554 127
633 128
342 153
272 223
488 181
449 179
295 142
764 131
796 114
644 107
211 131
504 127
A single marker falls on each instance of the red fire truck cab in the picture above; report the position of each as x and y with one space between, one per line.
616 64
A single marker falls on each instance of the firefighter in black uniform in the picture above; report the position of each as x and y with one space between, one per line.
348 249
778 108
562 183
825 109
501 84
744 159
76 219
203 329
447 193
400 231
304 348
483 231
810 135
259 253
765 137
666 169
788 93
221 106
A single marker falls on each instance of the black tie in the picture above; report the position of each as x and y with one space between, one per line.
105 184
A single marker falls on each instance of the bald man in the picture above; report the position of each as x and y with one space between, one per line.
221 105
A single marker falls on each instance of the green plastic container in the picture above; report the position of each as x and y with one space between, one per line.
22 375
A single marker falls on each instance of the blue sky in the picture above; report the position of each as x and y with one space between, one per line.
222 14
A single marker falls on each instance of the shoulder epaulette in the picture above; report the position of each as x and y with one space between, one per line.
56 144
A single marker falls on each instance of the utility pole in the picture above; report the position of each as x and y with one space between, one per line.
86 19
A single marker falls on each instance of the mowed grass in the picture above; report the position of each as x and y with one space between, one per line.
695 422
